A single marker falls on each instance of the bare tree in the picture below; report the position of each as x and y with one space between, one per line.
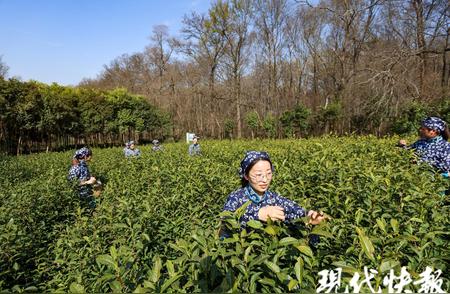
159 53
304 30
206 46
356 63
420 25
270 18
3 68
232 19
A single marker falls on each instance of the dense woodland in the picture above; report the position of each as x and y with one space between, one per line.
36 117
273 68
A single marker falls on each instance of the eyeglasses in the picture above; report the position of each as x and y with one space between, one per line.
260 176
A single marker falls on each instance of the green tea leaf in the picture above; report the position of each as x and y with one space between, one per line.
365 243
288 241
272 266
271 230
305 250
254 224
106 260
169 282
394 225
156 270
76 288
381 223
299 265
292 284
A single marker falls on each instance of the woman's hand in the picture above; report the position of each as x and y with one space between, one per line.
272 212
91 181
402 143
315 217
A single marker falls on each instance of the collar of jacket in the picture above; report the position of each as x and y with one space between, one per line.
435 139
253 196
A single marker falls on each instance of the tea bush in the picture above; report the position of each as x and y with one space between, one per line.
156 225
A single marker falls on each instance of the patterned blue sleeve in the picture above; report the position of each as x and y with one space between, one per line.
251 213
79 172
73 173
444 163
236 200
232 203
291 209
415 145
435 152
84 172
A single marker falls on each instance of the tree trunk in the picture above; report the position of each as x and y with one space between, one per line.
420 35
19 142
445 66
238 104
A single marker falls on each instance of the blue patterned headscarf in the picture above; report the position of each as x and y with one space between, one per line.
434 123
82 153
129 143
250 157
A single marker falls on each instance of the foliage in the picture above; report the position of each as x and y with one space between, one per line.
329 115
4 68
156 225
295 121
252 120
444 109
410 119
33 112
229 126
269 125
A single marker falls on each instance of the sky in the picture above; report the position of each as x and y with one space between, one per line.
64 41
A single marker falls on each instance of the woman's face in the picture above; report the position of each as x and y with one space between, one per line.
194 141
260 176
426 133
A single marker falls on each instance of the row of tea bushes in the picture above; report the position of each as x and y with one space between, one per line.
156 225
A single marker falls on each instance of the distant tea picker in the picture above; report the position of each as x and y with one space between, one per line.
194 148
433 146
87 185
157 146
130 150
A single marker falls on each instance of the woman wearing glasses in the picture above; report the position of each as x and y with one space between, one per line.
256 173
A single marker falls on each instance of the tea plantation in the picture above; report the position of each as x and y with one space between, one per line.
156 225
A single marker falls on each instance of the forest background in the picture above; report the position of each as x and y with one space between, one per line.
246 69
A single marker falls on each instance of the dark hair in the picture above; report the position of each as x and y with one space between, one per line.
445 133
244 182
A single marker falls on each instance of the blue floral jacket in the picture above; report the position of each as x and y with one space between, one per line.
237 198
79 172
435 151
131 152
194 149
